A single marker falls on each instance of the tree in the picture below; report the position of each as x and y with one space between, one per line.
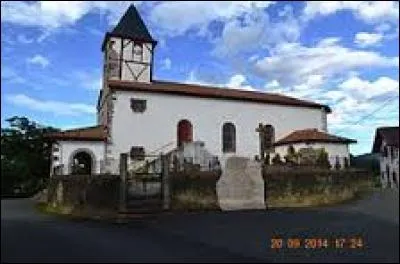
25 155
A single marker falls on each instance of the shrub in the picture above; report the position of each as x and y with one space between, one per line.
346 163
291 156
266 159
322 159
277 159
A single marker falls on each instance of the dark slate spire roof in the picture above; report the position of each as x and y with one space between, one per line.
131 26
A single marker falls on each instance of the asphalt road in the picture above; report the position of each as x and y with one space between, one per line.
28 236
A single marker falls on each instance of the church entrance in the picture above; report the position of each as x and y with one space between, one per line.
185 132
81 163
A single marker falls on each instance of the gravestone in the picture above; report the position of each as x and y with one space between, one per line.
241 185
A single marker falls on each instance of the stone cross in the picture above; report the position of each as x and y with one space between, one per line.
266 138
261 130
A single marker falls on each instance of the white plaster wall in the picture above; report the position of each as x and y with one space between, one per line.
157 126
66 148
393 167
333 150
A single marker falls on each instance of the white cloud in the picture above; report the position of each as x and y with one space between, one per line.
272 84
365 39
55 107
256 32
176 18
367 11
39 60
51 15
367 89
328 41
236 81
292 63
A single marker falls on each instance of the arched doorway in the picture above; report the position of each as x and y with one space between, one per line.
185 132
81 163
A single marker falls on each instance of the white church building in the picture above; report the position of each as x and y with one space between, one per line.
197 124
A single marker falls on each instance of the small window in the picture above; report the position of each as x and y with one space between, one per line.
55 158
137 52
138 105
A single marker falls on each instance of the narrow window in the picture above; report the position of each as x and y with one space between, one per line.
228 138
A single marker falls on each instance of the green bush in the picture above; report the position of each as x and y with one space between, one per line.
276 160
323 159
310 181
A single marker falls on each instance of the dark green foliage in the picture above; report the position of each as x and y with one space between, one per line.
291 156
25 156
267 159
346 163
323 159
279 179
276 159
369 161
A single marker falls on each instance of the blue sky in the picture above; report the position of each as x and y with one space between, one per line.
344 54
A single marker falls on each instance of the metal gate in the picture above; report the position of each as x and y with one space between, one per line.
145 186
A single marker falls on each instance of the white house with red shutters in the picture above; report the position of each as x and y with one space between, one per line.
195 124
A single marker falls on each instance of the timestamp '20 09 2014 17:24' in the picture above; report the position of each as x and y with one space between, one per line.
316 243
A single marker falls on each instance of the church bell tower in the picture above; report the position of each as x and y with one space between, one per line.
128 50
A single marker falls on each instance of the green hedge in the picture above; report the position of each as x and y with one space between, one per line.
283 179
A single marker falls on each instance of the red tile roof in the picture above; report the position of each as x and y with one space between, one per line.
312 135
95 133
389 134
213 92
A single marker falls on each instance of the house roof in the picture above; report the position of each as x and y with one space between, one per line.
312 135
94 133
130 26
212 92
389 134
